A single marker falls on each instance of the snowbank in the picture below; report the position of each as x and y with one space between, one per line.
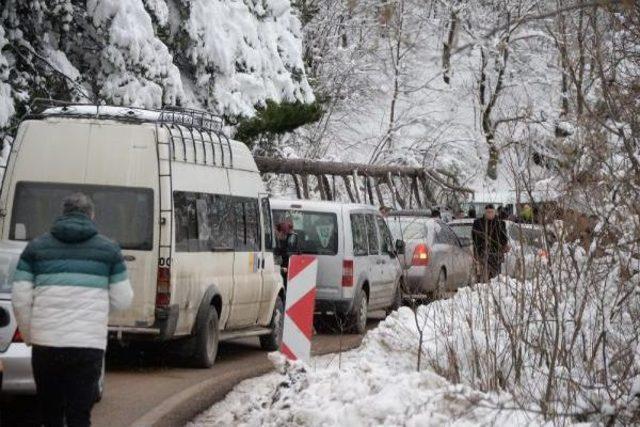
560 349
376 384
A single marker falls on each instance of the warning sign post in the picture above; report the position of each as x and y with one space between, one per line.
298 314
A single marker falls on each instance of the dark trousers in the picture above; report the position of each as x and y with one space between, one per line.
67 383
490 266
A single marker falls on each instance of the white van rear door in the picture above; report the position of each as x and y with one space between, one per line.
126 156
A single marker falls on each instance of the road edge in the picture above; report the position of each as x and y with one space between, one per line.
192 401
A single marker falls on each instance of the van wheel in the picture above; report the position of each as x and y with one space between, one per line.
206 340
360 314
272 341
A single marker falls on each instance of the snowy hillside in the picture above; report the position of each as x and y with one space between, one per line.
226 56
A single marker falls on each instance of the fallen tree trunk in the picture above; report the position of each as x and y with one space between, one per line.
317 167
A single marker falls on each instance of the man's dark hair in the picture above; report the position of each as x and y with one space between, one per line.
78 203
489 206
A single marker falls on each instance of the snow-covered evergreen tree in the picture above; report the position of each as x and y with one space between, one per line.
227 56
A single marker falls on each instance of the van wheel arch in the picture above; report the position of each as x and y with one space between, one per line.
211 298
365 288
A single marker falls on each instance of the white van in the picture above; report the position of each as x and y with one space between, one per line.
186 204
358 267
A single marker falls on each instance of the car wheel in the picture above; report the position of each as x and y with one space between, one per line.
272 341
206 340
360 314
441 284
397 299
100 390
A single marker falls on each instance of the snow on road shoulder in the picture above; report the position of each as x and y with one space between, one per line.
376 384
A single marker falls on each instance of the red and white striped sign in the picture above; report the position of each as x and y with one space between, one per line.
298 313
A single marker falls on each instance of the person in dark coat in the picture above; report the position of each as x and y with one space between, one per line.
490 243
284 235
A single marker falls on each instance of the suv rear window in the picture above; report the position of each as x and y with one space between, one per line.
124 214
527 236
317 231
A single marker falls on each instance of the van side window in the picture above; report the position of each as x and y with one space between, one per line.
223 222
207 222
247 234
372 234
205 236
252 224
359 234
385 235
268 224
186 222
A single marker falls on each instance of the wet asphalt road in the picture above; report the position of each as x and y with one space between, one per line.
138 380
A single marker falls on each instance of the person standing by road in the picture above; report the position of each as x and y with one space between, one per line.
490 243
285 239
64 286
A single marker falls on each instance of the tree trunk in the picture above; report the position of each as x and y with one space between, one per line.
448 46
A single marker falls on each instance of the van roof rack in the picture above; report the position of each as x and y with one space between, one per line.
170 115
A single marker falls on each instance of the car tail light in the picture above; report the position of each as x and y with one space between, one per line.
163 289
421 255
347 273
17 336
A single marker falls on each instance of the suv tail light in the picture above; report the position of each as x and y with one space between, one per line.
421 255
17 336
347 273
163 289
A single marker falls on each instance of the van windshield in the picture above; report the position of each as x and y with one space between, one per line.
317 231
124 214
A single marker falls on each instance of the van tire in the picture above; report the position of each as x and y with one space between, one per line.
271 342
206 340
359 314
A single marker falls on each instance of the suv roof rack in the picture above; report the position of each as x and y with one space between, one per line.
169 115
412 212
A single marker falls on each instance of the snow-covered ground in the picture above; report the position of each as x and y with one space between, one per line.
504 353
376 384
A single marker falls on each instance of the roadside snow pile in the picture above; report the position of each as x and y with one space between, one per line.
376 384
560 349
564 344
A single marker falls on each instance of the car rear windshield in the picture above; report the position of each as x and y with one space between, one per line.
124 214
462 230
407 229
317 231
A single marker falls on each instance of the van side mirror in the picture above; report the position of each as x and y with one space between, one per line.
293 244
4 318
400 247
465 242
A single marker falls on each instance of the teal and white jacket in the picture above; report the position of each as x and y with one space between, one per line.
65 284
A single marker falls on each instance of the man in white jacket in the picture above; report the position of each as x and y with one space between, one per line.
64 286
